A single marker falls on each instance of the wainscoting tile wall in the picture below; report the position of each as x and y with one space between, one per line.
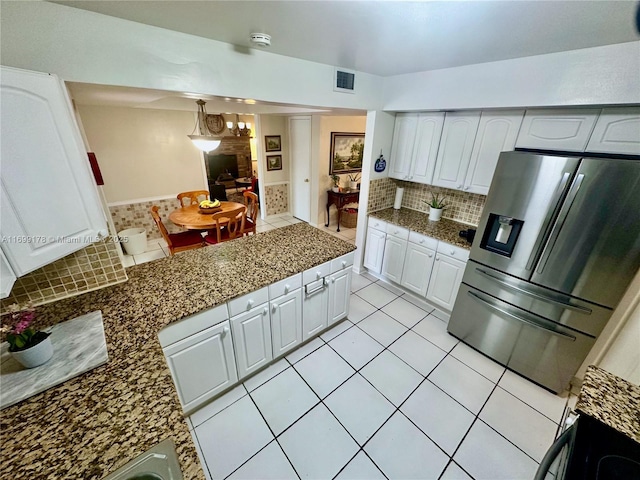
93 267
138 215
461 206
276 198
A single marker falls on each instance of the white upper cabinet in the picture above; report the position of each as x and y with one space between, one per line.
7 277
617 131
415 146
497 133
404 134
49 201
566 129
456 146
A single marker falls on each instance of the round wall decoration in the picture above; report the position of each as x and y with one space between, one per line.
215 123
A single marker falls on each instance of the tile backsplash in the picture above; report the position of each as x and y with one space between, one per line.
461 206
93 267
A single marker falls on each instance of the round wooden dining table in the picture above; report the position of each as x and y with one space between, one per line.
191 218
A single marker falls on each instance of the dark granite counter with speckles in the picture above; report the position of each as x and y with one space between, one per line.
612 400
93 424
444 229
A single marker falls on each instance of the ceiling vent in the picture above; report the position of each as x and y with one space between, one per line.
260 39
344 80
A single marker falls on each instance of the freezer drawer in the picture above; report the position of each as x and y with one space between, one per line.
560 308
532 346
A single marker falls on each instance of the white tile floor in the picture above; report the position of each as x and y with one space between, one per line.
157 247
387 393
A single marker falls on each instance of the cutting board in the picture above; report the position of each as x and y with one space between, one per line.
79 345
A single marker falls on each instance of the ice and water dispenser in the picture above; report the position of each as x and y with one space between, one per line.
501 234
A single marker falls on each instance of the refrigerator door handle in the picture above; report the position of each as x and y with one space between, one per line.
571 196
555 202
489 304
537 296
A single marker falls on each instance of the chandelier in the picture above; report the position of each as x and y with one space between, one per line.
204 141
241 129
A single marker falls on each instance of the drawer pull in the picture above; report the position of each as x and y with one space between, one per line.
225 330
421 240
344 264
286 288
265 311
274 307
250 304
453 252
318 275
429 255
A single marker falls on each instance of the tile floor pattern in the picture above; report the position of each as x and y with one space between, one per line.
387 393
157 248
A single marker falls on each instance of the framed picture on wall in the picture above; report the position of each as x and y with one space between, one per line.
346 153
272 143
274 162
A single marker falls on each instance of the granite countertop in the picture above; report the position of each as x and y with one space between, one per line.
611 400
444 229
93 424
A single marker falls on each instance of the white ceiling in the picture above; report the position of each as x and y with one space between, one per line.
392 37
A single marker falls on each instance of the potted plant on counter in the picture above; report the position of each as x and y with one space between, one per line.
28 346
436 206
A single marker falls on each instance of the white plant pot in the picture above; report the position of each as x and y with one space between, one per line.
335 189
36 355
435 214
353 185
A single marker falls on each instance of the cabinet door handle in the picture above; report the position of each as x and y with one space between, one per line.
274 307
467 187
318 275
333 280
250 304
344 264
459 187
225 330
265 311
437 258
411 177
429 255
421 241
395 232
286 288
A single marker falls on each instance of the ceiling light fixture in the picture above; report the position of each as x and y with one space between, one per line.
260 39
203 141
241 129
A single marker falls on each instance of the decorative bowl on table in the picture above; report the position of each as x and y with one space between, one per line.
208 206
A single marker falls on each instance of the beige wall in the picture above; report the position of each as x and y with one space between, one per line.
143 153
328 125
275 125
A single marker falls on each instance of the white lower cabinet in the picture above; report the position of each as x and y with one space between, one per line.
286 322
418 263
374 249
339 293
314 308
393 259
445 281
252 339
202 365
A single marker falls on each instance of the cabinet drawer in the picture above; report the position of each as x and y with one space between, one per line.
342 263
396 231
191 325
316 273
452 251
248 301
377 224
423 240
285 286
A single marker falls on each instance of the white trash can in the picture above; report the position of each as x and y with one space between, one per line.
134 240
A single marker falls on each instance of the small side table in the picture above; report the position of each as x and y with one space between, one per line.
340 199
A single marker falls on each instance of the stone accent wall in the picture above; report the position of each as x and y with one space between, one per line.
136 215
276 198
241 148
462 206
91 268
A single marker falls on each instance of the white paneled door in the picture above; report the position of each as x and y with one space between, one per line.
300 147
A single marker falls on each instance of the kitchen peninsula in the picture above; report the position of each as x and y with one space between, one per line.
95 423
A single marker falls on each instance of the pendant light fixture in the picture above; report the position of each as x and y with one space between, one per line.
241 129
203 141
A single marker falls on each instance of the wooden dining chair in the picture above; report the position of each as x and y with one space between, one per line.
227 231
251 202
193 198
177 242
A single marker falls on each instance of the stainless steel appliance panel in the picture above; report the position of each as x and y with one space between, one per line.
593 249
527 187
538 349
563 309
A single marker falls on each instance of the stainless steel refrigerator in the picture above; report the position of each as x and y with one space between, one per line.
557 245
